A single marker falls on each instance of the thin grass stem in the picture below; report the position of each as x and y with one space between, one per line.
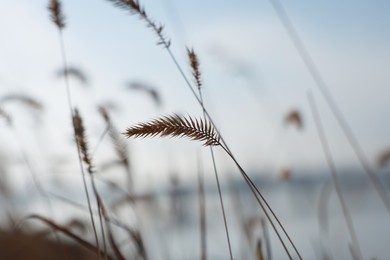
202 211
329 159
69 99
327 95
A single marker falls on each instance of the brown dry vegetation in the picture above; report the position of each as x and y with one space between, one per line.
60 242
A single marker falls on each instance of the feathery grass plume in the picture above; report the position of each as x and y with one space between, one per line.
135 8
151 91
74 72
56 14
383 158
81 140
194 62
132 6
82 150
177 126
82 143
24 99
294 117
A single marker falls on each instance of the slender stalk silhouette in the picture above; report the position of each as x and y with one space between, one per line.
336 182
327 95
58 19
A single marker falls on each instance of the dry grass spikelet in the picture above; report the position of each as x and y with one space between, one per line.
177 126
294 117
81 139
56 14
194 62
134 7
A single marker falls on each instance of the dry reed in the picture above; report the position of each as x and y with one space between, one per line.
83 147
177 126
194 63
81 139
134 7
56 14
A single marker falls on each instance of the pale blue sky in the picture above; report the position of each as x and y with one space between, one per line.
349 41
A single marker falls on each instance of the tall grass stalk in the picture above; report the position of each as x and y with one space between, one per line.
58 19
327 95
194 62
135 8
197 129
202 211
82 143
336 182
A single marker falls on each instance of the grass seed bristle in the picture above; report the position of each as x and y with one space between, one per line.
177 126
135 8
81 140
56 14
194 62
